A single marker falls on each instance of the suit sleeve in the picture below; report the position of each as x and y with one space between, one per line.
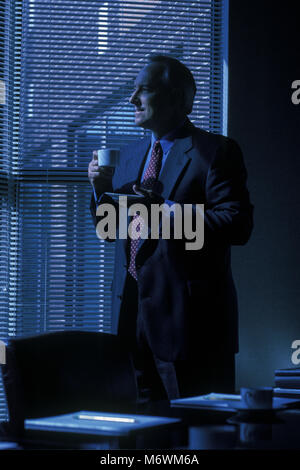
228 212
105 187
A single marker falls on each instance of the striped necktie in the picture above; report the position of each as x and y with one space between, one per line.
149 180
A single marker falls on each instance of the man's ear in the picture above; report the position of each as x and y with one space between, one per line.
177 95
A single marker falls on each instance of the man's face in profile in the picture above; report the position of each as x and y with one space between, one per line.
152 99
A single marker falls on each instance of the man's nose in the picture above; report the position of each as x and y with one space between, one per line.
134 97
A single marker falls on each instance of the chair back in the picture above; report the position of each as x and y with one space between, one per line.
66 371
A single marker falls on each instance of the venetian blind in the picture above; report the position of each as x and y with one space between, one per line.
67 71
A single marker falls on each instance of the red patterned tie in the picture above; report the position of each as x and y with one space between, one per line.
149 180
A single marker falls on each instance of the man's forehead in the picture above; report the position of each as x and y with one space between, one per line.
150 74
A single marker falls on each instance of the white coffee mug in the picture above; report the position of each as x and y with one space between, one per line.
108 157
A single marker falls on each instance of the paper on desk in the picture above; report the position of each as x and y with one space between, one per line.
226 402
87 422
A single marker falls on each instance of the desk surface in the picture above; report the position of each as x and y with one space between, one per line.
199 430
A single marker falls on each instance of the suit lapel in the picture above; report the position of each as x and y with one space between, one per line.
174 165
133 170
134 164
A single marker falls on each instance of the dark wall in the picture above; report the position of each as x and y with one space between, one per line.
264 60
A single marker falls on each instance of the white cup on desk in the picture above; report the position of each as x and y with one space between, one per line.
260 398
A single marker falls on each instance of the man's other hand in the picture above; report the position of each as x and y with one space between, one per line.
151 197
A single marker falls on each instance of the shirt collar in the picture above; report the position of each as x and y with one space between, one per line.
167 140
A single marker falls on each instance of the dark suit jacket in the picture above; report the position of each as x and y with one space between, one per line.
187 299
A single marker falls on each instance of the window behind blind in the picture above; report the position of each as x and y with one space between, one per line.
68 68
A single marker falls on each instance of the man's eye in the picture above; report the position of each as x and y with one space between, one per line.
145 88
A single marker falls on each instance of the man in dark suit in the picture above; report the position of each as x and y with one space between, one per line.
176 309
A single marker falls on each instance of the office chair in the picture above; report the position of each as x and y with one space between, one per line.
62 372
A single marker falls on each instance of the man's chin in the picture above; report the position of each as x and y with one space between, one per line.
140 122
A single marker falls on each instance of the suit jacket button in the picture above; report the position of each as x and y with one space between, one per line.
120 297
138 266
